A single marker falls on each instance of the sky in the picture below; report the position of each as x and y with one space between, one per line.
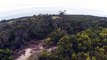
13 8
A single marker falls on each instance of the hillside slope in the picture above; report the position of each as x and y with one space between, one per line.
78 37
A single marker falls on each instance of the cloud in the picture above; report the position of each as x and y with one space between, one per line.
14 5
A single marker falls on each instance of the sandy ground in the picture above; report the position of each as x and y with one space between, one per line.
26 55
30 51
33 48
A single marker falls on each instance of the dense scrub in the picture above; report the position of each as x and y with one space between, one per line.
89 44
78 37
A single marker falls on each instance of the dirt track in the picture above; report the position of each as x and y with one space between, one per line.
33 48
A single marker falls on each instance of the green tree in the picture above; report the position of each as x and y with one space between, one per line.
6 54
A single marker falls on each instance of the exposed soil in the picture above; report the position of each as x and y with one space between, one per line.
31 48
